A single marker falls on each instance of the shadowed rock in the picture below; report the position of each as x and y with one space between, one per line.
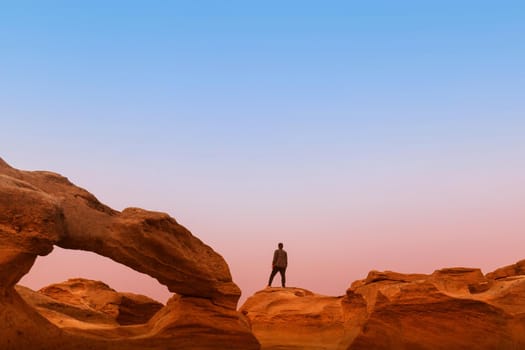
89 301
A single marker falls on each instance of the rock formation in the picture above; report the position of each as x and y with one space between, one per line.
92 302
295 318
40 209
516 269
453 308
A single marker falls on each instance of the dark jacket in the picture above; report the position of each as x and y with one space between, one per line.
280 258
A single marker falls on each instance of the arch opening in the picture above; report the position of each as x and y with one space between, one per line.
82 289
63 264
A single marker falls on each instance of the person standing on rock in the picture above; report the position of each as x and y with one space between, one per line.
279 264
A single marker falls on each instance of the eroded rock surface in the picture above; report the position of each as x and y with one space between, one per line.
296 318
453 308
40 209
516 269
92 302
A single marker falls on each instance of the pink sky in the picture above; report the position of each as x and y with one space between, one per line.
332 237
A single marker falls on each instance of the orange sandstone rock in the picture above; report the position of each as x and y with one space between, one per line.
40 209
516 269
96 299
453 308
295 318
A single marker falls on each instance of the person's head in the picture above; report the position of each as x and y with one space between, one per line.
280 246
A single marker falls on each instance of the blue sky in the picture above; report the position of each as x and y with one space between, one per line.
248 78
253 122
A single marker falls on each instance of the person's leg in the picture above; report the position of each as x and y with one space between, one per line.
272 275
282 270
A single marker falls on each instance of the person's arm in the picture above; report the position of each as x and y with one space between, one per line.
285 259
275 256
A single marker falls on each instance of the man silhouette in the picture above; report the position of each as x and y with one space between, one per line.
279 263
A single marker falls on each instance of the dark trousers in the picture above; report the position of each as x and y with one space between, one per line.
282 271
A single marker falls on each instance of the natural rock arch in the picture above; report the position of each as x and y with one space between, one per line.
40 209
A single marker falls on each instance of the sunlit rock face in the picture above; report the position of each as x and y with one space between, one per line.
453 308
40 209
295 318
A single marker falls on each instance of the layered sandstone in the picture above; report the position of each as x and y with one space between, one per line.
40 209
295 318
93 303
453 308
516 269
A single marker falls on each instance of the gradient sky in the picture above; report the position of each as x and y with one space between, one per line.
365 135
